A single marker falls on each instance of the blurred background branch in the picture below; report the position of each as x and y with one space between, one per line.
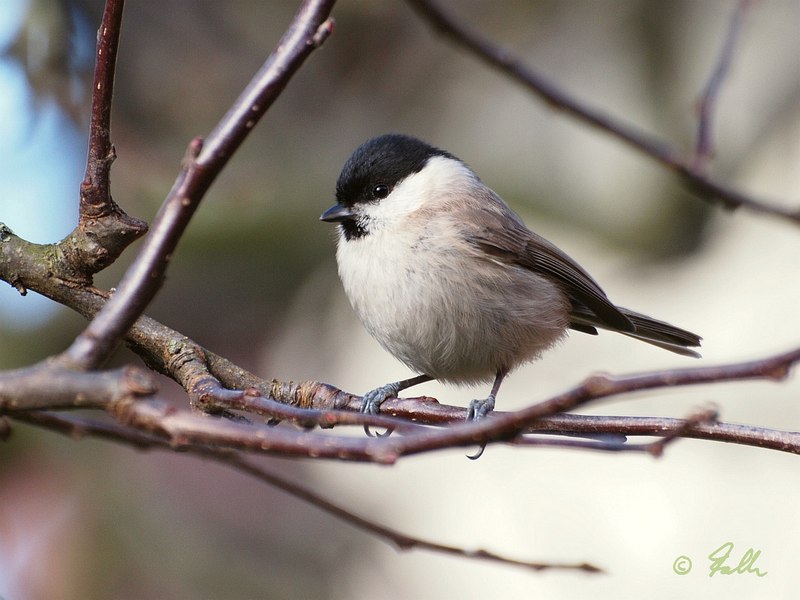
692 171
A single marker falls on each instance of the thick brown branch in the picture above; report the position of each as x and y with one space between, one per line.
189 365
48 385
164 350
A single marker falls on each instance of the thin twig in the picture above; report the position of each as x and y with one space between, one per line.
746 435
704 149
655 448
503 60
399 540
96 187
708 415
76 427
572 444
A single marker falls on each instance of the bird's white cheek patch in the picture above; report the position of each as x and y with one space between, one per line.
437 181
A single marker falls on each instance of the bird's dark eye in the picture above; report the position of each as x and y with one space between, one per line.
381 190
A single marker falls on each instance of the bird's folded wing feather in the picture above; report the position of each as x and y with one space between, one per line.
499 233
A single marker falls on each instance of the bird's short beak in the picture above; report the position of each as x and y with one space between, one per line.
336 214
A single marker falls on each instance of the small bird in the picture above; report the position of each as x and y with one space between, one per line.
449 280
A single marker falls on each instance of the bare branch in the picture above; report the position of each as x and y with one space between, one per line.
77 427
96 187
655 448
508 425
183 428
746 435
400 540
104 229
144 277
49 385
164 350
708 415
190 367
307 32
504 61
704 150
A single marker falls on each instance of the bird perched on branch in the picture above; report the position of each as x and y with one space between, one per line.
449 279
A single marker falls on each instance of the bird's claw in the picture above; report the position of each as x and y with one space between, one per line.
478 409
478 454
371 404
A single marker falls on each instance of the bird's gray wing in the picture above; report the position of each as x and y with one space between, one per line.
498 232
500 235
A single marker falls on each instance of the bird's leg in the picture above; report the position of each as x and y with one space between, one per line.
480 408
373 399
371 404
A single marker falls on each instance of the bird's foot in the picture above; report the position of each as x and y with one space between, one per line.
478 409
371 404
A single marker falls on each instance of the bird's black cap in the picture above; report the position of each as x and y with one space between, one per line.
382 161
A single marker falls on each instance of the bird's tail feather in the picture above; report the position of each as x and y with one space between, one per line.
662 334
641 327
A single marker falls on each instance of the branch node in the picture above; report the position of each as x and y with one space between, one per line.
139 382
193 150
323 32
707 415
17 284
599 384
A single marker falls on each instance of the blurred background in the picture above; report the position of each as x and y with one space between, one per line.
254 280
